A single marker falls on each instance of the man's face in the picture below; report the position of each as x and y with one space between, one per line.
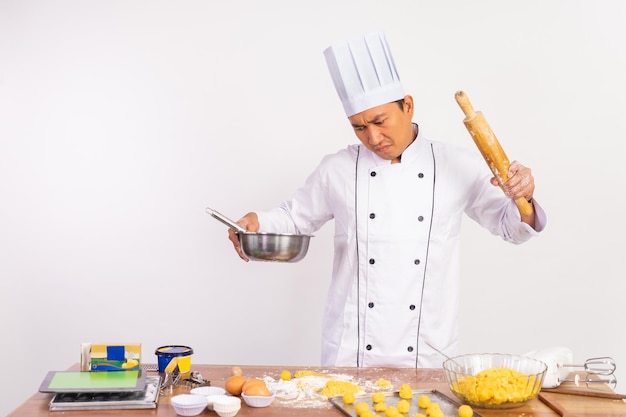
385 130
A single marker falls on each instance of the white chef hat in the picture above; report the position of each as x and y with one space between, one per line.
364 73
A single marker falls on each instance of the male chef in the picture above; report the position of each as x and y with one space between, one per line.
397 199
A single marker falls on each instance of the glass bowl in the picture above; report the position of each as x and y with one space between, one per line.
494 380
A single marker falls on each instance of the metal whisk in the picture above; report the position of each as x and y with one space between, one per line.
595 369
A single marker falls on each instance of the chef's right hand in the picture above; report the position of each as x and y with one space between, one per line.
250 222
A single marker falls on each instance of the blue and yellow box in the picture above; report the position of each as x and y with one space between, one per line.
110 356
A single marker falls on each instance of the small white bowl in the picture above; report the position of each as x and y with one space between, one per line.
258 400
226 405
189 404
209 392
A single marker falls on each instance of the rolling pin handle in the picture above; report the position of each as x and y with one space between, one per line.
465 104
524 207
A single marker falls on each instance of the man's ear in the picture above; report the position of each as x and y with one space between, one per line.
408 105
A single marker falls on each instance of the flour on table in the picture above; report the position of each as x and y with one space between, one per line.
304 391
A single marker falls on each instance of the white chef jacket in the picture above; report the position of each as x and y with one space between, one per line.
394 288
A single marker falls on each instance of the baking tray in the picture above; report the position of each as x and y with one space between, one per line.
449 406
109 400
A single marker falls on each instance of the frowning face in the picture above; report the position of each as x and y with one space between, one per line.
387 129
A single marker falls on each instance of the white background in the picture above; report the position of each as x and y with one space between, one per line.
120 121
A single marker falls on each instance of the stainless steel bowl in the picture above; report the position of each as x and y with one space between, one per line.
274 246
269 247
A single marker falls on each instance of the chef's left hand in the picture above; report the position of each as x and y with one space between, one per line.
521 183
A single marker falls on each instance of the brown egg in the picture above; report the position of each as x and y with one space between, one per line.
257 390
236 370
234 384
250 382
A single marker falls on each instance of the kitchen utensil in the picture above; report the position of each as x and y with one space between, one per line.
189 404
228 222
598 394
258 401
560 365
489 146
594 369
600 366
494 380
226 405
209 392
554 405
279 247
442 354
448 406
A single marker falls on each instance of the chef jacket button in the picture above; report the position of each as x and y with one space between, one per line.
420 175
416 262
368 347
410 348
372 261
370 305
373 173
372 216
420 218
412 307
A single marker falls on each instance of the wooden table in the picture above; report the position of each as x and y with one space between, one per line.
575 405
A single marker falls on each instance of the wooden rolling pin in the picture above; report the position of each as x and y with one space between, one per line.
489 147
